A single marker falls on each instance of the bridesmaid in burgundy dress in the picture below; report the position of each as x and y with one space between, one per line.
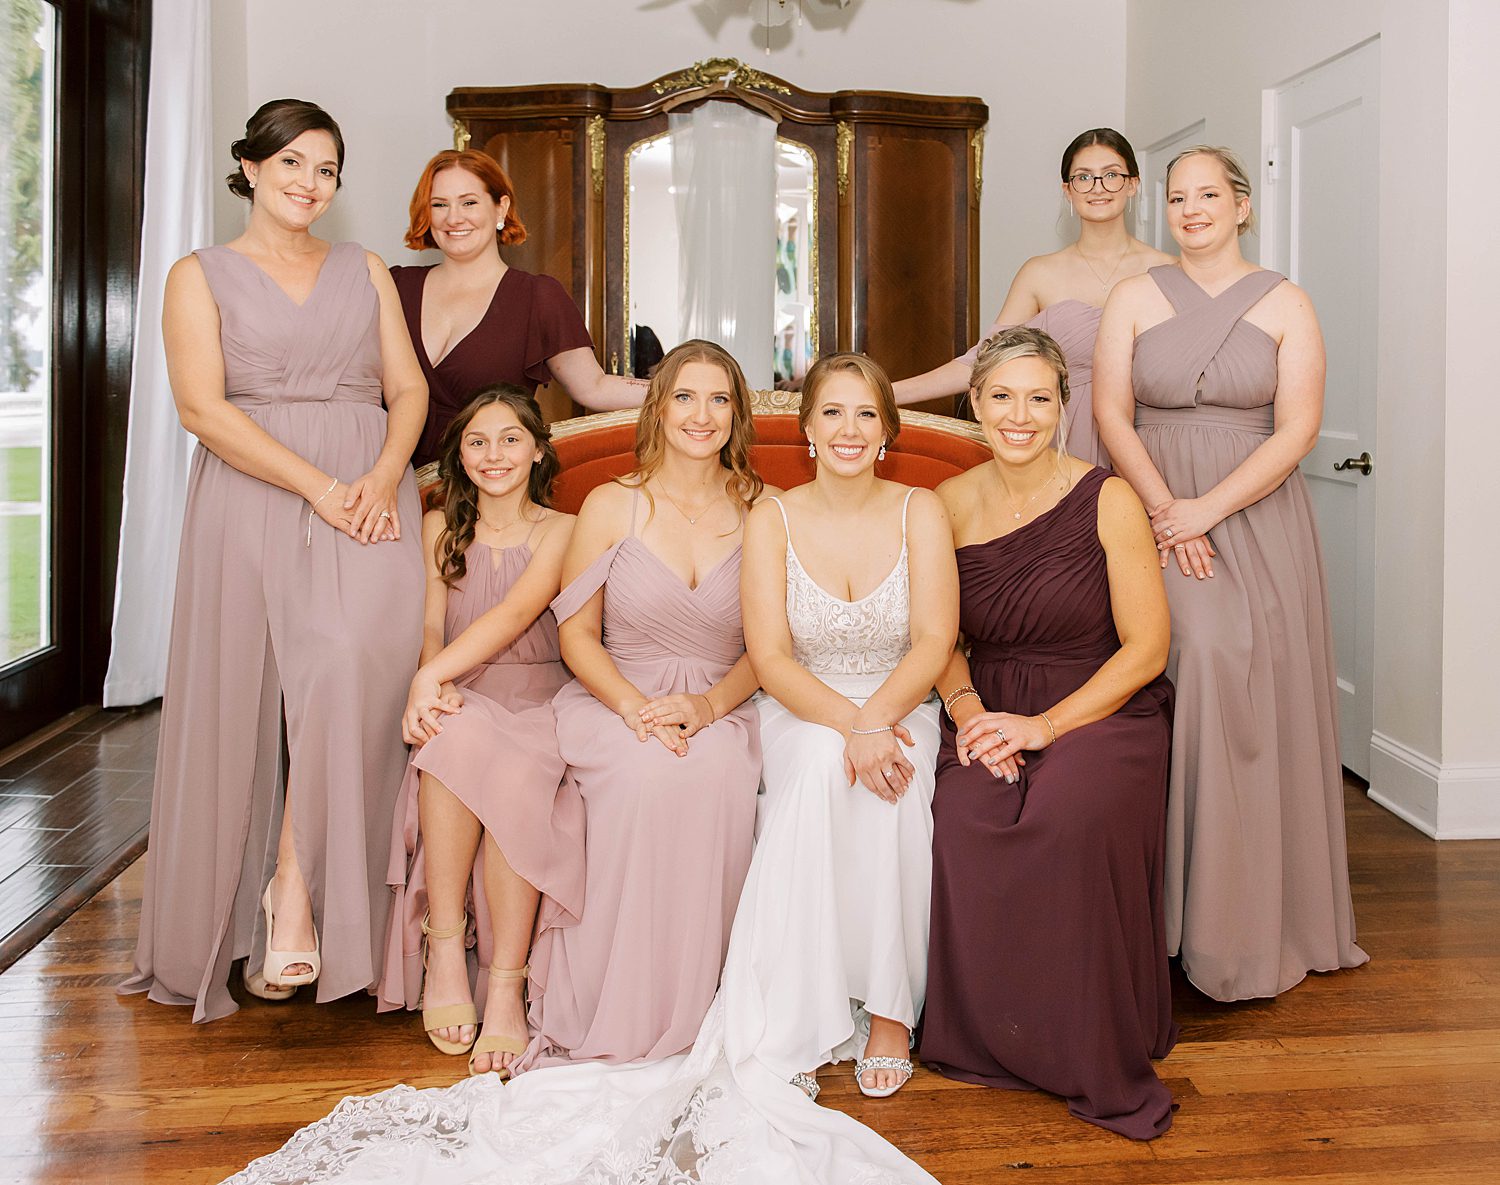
473 319
1063 292
1048 962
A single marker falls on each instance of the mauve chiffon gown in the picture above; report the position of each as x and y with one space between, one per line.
498 755
668 838
1074 326
1048 957
1257 870
278 635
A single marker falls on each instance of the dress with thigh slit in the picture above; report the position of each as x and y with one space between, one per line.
278 618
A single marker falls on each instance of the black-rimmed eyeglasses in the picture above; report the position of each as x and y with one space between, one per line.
1112 181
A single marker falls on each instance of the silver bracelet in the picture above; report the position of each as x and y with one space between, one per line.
869 732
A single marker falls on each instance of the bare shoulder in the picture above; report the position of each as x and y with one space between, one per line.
606 501
1151 257
1131 290
186 277
769 491
1119 506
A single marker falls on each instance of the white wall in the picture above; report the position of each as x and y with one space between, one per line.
384 67
1436 757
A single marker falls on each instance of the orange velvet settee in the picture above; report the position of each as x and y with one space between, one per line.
594 449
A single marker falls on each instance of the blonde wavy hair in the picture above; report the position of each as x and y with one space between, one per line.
745 484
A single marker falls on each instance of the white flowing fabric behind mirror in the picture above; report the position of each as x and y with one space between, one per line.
724 172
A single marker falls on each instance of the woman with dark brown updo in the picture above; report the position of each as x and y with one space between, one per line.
1063 292
298 605
473 319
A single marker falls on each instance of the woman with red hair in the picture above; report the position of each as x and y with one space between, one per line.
473 319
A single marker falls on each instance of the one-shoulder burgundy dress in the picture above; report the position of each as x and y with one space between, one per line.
1048 959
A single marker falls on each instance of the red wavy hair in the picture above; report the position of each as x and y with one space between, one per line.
487 169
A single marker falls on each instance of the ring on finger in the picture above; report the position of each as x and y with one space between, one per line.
1168 532
385 514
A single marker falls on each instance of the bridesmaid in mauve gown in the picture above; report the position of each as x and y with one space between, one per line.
490 764
1063 293
298 607
1211 393
1048 962
656 730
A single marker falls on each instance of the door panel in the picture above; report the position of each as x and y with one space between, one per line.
1326 143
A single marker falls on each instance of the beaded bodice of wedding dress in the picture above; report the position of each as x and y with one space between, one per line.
832 636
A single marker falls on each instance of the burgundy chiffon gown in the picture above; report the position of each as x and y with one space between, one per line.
1048 962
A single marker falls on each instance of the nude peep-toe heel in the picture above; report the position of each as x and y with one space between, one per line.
447 1015
501 1044
272 982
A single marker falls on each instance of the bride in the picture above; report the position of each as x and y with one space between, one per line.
827 955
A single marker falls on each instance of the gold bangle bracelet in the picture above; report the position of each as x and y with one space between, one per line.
1050 728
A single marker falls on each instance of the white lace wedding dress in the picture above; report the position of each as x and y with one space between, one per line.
832 920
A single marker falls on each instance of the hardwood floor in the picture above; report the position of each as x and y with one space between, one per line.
73 812
1387 1073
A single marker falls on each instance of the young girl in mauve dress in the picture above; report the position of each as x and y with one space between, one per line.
488 839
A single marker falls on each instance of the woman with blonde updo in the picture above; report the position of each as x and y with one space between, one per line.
1208 393
1051 782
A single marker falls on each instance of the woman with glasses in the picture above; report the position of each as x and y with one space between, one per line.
1062 293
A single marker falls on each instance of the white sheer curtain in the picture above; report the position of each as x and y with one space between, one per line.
178 217
724 171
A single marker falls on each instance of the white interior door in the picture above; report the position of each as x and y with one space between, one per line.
1325 144
1151 218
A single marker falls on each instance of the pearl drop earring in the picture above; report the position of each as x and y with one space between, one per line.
812 449
880 456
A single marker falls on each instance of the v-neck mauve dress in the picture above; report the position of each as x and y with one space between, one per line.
1074 326
1257 887
266 628
498 756
668 838
1048 964
530 318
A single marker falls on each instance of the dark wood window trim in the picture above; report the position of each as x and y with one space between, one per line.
103 57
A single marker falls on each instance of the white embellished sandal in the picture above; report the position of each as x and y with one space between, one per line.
900 1064
808 1085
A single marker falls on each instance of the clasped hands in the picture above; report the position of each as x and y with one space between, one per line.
875 760
998 740
364 509
671 719
1180 527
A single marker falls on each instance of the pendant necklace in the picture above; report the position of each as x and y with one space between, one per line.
1104 283
692 519
1018 513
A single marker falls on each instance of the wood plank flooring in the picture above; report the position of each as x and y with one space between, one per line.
73 812
1383 1074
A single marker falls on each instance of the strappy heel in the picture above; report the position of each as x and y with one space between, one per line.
447 1015
808 1085
864 1065
272 982
493 1045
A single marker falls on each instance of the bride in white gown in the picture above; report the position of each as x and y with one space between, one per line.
827 957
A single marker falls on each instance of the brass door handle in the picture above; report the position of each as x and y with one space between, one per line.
1364 463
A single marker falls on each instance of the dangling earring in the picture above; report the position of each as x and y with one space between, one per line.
812 449
880 456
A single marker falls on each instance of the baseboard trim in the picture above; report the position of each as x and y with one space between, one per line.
1455 801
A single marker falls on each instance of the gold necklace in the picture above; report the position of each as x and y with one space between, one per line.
692 519
1104 283
491 526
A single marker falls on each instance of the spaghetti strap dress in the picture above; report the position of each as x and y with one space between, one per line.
1048 966
291 649
498 755
1074 326
667 838
1257 889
